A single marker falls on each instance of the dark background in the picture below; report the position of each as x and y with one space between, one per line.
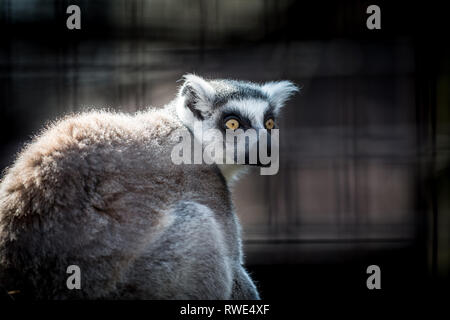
364 175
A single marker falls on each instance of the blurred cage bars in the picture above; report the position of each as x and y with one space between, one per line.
360 144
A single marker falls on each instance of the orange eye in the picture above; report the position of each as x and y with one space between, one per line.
270 124
232 124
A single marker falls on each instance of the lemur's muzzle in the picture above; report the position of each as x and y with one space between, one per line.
266 151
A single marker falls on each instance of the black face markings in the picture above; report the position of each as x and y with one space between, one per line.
269 115
244 122
243 119
272 109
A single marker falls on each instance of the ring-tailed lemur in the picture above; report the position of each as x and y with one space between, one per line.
99 190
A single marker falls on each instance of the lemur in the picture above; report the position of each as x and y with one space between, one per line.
99 190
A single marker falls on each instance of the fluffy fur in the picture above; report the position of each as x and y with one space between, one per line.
98 190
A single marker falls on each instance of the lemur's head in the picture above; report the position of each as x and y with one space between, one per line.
213 108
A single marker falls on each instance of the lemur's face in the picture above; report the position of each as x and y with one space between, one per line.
222 111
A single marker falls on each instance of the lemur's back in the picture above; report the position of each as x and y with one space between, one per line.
99 191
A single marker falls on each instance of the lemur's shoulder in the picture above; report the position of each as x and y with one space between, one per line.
107 128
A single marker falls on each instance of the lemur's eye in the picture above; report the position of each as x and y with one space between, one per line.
269 124
232 124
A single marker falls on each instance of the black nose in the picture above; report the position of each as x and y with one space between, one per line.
268 148
269 144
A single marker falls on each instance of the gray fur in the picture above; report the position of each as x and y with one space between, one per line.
232 89
98 190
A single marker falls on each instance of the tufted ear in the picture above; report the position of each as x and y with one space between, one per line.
198 95
279 92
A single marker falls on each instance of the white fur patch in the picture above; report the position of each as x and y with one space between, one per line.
204 91
279 91
254 109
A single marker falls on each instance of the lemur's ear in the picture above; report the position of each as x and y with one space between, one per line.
279 92
198 95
